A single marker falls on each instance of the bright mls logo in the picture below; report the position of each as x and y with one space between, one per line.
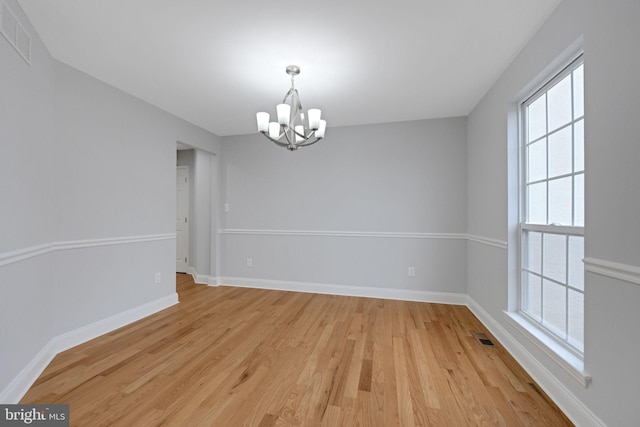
34 415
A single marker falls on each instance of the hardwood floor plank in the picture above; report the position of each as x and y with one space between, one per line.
251 357
428 386
416 384
388 385
364 383
405 406
337 393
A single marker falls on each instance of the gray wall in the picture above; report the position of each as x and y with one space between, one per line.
28 145
81 161
610 36
391 178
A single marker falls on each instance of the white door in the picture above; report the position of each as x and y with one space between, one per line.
182 219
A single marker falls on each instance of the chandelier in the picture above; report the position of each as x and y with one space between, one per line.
290 131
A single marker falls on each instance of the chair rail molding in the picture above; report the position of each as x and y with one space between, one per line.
627 273
37 250
367 234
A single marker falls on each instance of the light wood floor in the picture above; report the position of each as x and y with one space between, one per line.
233 357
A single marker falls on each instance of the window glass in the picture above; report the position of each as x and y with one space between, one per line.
533 289
560 201
578 194
576 319
537 118
554 307
575 264
578 147
554 262
560 153
559 99
537 158
534 251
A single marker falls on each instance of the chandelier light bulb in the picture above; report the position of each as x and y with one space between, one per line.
263 122
274 130
284 112
321 129
314 118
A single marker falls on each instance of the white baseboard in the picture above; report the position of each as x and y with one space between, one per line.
30 373
573 407
101 327
345 290
202 279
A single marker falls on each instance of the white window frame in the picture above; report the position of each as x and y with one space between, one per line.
558 344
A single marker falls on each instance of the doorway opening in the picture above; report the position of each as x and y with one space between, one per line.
182 219
200 208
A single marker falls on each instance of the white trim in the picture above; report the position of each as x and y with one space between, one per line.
19 386
34 251
202 279
573 407
563 357
347 290
628 273
553 229
30 373
13 39
377 234
487 241
101 327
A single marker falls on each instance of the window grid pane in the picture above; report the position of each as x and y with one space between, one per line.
552 278
553 283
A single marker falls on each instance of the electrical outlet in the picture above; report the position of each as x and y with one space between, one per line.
158 278
226 207
249 262
411 272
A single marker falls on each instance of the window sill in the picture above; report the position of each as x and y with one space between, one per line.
564 358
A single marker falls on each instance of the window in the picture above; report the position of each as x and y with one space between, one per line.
552 214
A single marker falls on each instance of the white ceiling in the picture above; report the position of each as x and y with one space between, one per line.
216 63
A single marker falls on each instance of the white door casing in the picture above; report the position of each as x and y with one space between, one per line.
182 218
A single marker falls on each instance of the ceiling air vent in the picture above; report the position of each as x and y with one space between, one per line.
15 33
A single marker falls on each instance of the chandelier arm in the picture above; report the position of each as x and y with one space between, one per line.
281 144
286 95
302 135
297 99
309 143
286 135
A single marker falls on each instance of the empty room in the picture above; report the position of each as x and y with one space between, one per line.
416 213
